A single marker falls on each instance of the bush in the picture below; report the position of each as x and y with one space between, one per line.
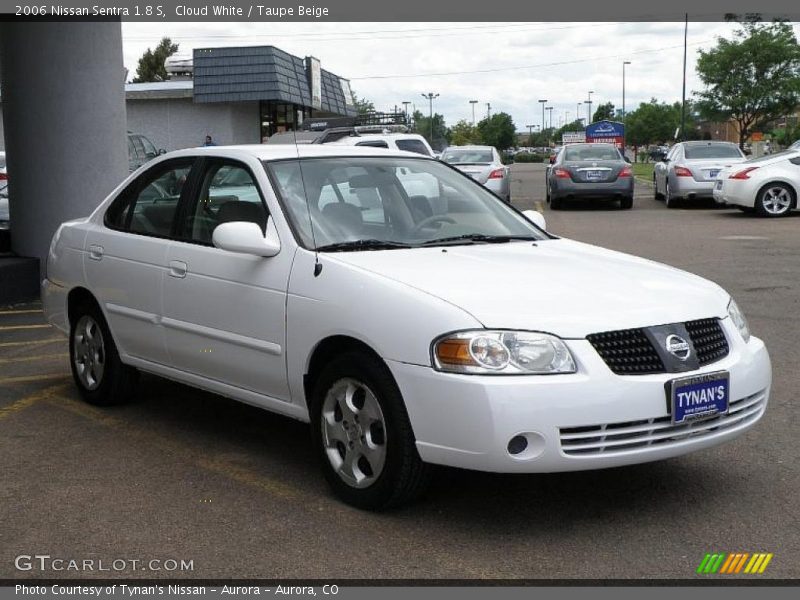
530 157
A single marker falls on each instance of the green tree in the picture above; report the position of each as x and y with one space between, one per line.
422 125
753 78
604 112
652 122
498 131
464 133
151 64
362 105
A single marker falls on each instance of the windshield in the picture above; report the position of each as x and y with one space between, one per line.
591 153
711 151
392 202
465 156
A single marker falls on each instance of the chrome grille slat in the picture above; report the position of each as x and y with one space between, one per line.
616 437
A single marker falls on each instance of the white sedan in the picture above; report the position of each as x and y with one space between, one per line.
407 330
768 185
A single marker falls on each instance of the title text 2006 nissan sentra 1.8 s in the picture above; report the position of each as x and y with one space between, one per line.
410 315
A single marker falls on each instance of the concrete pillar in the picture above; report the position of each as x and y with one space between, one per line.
64 118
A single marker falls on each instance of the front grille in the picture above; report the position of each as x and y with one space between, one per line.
615 438
630 352
709 340
627 352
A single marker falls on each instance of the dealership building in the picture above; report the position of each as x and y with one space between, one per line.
237 95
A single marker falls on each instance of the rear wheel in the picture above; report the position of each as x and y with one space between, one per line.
626 202
774 200
556 203
668 199
363 436
98 372
656 195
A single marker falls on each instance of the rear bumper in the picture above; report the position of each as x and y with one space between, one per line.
566 188
686 187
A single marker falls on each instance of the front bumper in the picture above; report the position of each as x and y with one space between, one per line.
467 421
54 304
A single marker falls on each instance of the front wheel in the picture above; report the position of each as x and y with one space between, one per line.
656 195
774 200
362 434
101 377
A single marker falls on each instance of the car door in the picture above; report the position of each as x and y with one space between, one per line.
125 257
662 168
225 312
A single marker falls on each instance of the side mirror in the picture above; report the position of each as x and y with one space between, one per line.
245 237
537 218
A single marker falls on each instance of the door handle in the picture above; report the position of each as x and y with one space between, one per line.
95 252
177 268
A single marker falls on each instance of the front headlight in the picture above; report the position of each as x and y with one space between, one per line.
737 316
502 353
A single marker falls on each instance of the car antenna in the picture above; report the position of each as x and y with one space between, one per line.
317 264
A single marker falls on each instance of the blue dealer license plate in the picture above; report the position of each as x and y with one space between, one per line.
700 396
712 174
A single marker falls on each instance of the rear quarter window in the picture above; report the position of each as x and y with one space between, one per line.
413 146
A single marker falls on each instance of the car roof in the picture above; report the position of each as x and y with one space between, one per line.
267 152
708 143
472 147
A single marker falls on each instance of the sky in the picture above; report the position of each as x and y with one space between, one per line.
508 65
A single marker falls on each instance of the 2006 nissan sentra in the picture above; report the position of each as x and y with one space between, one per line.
411 316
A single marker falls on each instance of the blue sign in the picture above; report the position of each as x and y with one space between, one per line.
605 129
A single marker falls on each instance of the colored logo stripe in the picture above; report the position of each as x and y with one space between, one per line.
734 563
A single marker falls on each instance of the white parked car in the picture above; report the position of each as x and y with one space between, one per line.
768 184
408 142
407 330
484 165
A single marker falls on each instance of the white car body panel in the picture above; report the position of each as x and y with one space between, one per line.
262 318
775 169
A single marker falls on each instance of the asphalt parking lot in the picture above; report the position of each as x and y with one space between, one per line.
183 474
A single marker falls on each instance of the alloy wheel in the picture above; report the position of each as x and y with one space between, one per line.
776 200
89 353
354 432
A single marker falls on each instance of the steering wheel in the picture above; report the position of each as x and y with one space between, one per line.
430 221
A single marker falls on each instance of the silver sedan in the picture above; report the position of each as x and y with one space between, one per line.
689 170
484 165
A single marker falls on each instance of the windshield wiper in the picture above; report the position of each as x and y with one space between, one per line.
370 244
480 238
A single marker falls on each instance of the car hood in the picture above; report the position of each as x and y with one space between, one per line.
559 286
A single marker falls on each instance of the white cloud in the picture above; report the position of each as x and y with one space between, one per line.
562 61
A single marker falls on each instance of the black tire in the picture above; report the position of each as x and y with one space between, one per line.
669 200
403 476
775 200
626 202
656 195
547 192
746 209
116 382
556 203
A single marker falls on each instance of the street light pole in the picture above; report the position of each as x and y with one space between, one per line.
405 104
625 62
589 102
488 111
431 96
473 102
543 102
550 110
